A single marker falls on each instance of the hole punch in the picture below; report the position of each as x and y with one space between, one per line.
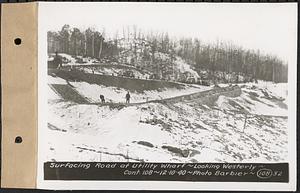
18 139
18 41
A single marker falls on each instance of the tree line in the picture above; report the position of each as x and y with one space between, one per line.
217 58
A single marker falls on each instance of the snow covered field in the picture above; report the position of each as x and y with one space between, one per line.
251 127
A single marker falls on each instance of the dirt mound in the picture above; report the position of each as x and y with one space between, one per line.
177 151
68 93
145 143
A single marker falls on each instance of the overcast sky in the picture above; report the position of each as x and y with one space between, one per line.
268 27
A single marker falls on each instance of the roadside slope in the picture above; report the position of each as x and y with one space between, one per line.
185 130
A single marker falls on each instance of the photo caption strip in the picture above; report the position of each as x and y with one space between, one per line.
215 172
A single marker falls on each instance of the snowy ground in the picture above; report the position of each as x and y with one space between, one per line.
117 95
269 99
70 60
249 128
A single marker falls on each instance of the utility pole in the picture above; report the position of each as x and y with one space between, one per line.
245 122
100 49
85 45
93 45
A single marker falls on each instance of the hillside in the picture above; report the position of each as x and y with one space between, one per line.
114 89
136 63
185 130
184 59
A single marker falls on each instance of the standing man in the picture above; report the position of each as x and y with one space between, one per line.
102 98
57 60
127 97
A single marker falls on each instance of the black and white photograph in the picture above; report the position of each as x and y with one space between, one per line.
169 83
